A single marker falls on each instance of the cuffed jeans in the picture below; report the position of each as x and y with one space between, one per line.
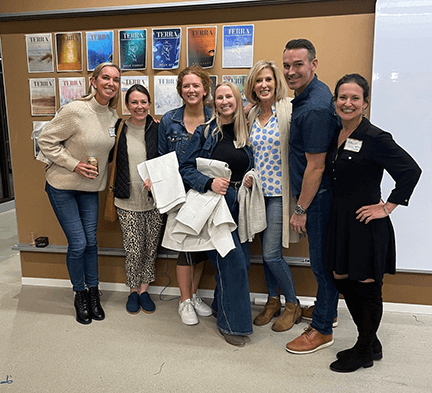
327 297
231 296
77 213
276 270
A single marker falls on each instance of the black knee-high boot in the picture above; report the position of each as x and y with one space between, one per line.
366 304
370 315
354 303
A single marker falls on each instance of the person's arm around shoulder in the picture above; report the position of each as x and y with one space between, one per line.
311 181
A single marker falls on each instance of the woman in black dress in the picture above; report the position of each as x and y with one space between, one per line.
361 242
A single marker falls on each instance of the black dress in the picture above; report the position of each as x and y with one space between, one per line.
356 169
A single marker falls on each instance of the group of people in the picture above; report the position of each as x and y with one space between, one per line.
320 164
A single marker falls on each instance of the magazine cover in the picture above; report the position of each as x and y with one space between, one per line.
38 126
237 45
133 49
214 80
39 52
100 48
166 48
201 46
165 94
42 96
70 89
239 81
69 51
128 81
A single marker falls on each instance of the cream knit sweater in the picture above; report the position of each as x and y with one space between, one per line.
79 130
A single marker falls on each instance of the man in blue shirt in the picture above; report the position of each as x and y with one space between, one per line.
313 125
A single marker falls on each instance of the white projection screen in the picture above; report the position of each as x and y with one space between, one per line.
402 104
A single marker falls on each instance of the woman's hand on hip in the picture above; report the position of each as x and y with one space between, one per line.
86 170
220 185
371 212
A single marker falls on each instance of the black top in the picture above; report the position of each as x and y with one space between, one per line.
356 170
225 151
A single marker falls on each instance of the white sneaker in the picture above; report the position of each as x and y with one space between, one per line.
201 307
187 313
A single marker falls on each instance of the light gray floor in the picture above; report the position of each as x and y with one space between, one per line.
43 349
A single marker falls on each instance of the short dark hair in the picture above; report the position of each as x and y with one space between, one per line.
353 78
137 87
302 43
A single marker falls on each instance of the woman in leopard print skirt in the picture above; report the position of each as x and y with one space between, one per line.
140 221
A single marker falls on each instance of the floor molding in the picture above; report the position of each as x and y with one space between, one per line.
256 298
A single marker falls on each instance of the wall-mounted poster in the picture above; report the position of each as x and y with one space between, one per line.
38 126
166 48
128 81
70 89
100 48
237 44
42 96
239 81
214 80
201 46
39 52
133 49
69 51
165 94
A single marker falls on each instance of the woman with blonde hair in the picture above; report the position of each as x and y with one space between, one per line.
269 119
225 138
80 131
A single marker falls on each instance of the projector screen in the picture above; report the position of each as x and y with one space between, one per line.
401 103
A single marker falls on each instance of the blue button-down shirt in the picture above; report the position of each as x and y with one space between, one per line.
313 125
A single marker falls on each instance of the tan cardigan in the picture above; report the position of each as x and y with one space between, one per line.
283 112
79 130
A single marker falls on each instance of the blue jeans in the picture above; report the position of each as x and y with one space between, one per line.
327 295
231 297
77 213
276 270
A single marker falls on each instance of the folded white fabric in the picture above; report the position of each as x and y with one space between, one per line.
166 182
204 222
252 213
213 168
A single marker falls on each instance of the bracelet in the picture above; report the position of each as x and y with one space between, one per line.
385 211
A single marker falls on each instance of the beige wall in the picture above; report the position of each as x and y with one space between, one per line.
342 32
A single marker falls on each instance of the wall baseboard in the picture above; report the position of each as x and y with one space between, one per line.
256 298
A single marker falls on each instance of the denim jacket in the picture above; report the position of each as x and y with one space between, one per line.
200 146
173 135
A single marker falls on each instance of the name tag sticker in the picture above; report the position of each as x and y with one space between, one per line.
353 145
111 131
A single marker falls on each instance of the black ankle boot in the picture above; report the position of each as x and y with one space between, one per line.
96 310
352 362
82 307
376 350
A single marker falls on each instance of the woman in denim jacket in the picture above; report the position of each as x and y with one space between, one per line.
226 138
175 131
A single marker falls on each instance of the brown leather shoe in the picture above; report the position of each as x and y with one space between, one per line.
310 341
270 310
290 316
306 313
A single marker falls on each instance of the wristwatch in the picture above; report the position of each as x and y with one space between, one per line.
299 210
